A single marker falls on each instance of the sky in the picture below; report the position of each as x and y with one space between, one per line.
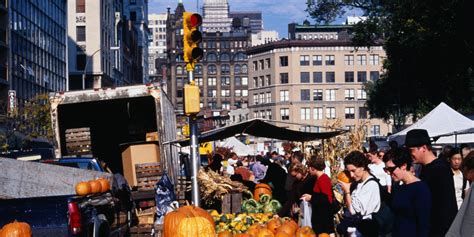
277 14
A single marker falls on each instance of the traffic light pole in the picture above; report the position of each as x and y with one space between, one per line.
195 159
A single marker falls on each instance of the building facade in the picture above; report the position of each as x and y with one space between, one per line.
157 46
38 58
247 20
4 58
309 83
264 37
216 16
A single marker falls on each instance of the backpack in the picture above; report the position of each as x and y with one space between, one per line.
384 216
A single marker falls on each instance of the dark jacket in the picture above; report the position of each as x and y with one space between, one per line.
276 176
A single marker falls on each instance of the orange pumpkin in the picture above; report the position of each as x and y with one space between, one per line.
16 229
95 186
261 189
104 185
305 231
265 233
197 211
255 228
242 235
195 226
323 235
283 234
174 219
288 225
83 188
343 177
274 224
225 233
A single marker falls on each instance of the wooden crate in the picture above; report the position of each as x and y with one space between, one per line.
232 203
181 188
146 230
148 174
146 216
78 141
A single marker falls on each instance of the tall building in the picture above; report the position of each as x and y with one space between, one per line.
310 82
264 37
4 57
37 59
318 32
157 46
249 20
216 16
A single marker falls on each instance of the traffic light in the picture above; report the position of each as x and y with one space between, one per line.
191 39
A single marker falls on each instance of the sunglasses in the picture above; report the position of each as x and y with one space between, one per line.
390 169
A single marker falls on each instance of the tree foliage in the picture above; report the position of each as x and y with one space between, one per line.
429 47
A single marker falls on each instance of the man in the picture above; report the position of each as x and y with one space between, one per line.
376 169
259 169
439 177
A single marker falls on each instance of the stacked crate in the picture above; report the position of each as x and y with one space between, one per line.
148 174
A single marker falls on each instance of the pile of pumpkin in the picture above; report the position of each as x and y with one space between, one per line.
188 221
16 229
238 223
100 185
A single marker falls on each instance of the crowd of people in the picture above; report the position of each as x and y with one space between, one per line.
406 190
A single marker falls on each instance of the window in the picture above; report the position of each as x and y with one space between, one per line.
305 95
363 112
268 97
211 57
284 95
304 60
245 81
285 114
255 82
267 61
349 76
255 99
284 78
245 93
317 77
261 98
226 105
361 76
262 114
375 130
179 93
330 77
349 59
305 113
374 59
212 93
225 81
80 33
80 6
330 95
330 60
211 81
237 69
349 94
255 65
244 68
304 77
238 93
81 61
318 113
179 70
262 81
317 94
225 93
225 69
283 61
179 82
317 60
361 94
198 69
361 59
211 69
225 57
269 114
268 80
199 81
349 112
255 114
330 113
260 64
240 57
237 81
374 75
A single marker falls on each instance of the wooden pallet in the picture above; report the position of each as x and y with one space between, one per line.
147 183
146 230
181 188
78 141
148 174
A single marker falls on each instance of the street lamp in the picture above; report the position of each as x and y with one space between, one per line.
87 63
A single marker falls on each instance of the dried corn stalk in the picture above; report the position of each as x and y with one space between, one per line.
214 186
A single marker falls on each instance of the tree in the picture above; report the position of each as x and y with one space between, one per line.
429 47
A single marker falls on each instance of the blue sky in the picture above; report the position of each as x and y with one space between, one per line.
276 14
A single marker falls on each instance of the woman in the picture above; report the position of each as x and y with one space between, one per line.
304 183
320 198
411 202
362 198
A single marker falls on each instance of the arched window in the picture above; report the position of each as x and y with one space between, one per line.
179 58
225 69
225 57
211 57
237 69
244 68
212 69
240 56
179 70
198 69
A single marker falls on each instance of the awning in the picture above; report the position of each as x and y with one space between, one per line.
260 128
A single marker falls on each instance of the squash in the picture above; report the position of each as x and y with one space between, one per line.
197 211
305 231
83 188
265 233
262 189
16 229
274 224
195 226
175 218
343 177
104 185
242 235
95 186
255 228
288 226
283 234
225 233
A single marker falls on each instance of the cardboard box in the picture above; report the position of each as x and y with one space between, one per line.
152 136
138 154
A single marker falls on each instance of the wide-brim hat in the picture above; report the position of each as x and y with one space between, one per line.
417 137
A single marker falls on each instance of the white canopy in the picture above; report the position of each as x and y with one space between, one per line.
238 147
441 120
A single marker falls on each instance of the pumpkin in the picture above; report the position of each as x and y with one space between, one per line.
305 231
225 233
197 211
343 177
323 235
261 189
104 185
16 229
83 188
283 234
288 226
95 186
195 226
255 228
242 235
274 224
174 218
265 233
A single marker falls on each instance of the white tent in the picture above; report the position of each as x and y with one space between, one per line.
238 147
440 121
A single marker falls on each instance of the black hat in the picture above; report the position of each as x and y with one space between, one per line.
417 137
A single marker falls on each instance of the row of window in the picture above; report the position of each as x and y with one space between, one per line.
228 93
225 57
329 77
317 60
262 98
374 129
211 44
320 113
262 64
212 81
212 69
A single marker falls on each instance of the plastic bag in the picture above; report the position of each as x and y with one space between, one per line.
307 211
164 197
